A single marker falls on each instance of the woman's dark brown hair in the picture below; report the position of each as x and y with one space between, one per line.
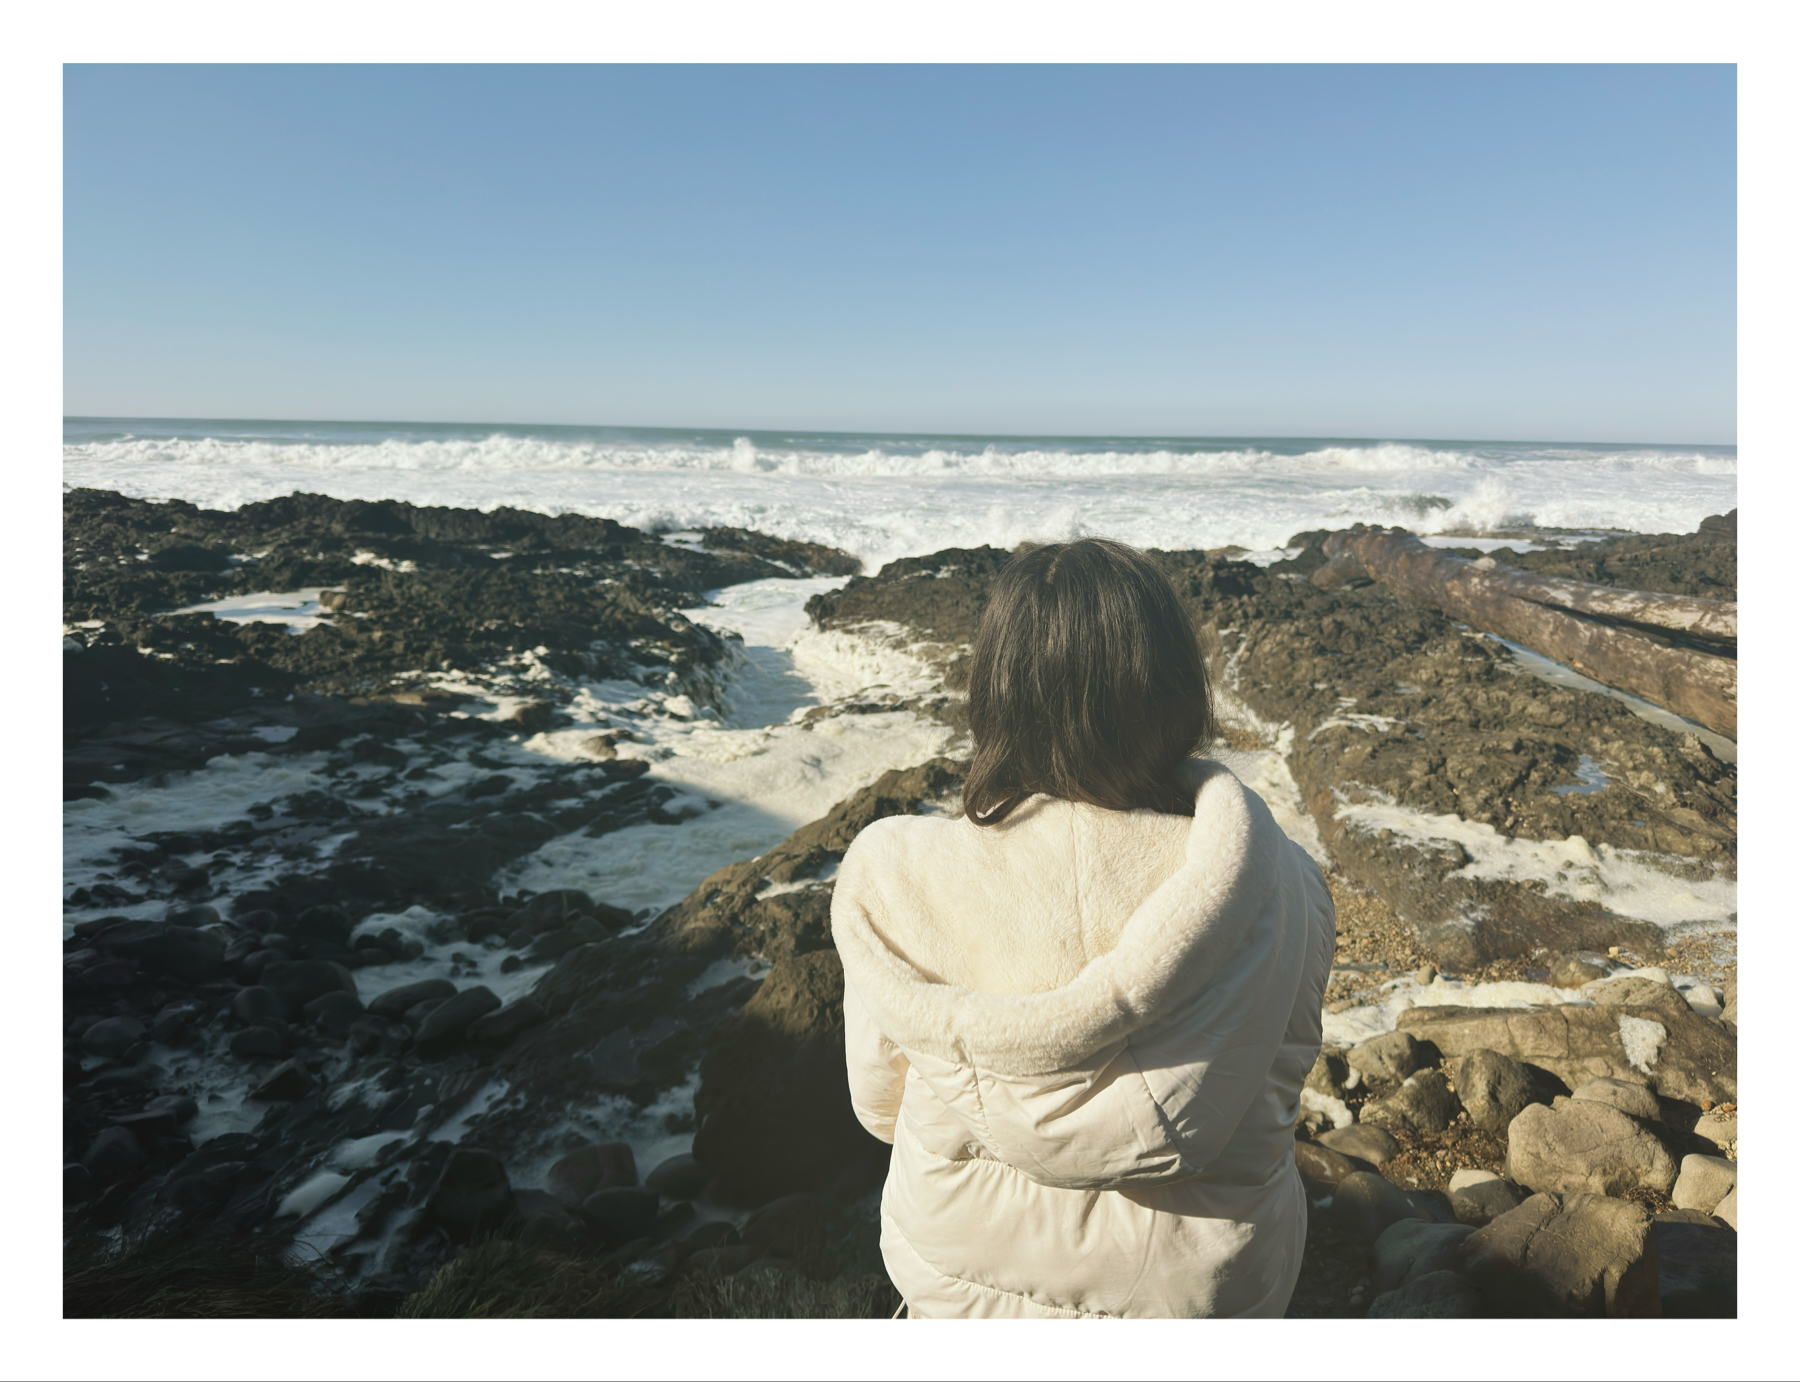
1086 683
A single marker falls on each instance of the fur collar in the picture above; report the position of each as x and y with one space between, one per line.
1174 940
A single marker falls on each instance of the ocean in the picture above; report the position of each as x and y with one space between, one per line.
885 496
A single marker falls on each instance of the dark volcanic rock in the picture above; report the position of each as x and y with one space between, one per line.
941 595
112 1036
181 952
723 911
395 1001
112 1154
444 1025
284 1084
498 1028
773 1109
298 982
260 1042
472 1194
1495 1088
797 1226
1697 1269
1702 563
678 1178
598 1166
333 1013
1425 1103
1388 1059
620 1213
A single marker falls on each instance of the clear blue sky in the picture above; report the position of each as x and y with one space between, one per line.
1443 252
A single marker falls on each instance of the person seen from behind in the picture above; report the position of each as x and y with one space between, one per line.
1082 1012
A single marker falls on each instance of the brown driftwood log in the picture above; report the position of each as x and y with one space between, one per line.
1676 651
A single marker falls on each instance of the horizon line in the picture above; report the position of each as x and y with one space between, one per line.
873 432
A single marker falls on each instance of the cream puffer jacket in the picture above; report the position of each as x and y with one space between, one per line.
1085 1032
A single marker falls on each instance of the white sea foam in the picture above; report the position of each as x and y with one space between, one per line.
298 609
312 1192
1358 1024
1640 884
1642 1039
884 497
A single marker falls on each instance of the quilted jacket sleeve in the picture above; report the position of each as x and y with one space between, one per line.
877 1068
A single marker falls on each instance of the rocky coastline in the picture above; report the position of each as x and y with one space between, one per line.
399 1108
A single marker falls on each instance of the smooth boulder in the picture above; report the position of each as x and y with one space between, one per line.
444 1025
395 1001
597 1166
1322 1167
298 982
1365 1204
112 1036
1586 1148
1578 1254
1703 1182
472 1194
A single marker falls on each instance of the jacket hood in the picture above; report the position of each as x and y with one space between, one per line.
1176 939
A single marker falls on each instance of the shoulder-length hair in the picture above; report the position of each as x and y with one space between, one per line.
1086 683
